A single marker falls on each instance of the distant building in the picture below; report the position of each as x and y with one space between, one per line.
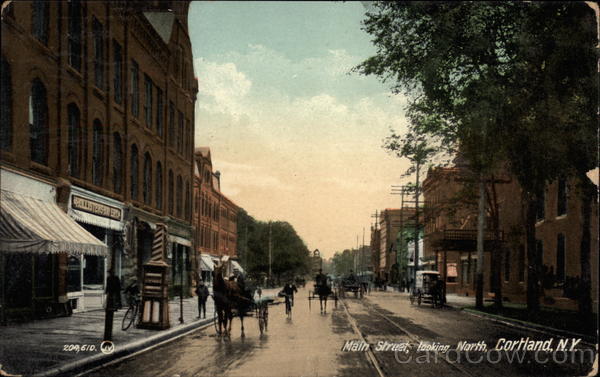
215 218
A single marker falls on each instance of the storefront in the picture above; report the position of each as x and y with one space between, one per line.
181 258
206 267
102 217
36 239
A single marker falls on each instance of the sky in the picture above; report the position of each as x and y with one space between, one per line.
296 135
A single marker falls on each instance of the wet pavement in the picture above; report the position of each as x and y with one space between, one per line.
310 344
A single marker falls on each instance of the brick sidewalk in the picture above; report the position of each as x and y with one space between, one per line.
37 347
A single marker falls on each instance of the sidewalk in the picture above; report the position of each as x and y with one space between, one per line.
41 347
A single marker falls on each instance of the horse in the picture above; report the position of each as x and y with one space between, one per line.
228 295
323 291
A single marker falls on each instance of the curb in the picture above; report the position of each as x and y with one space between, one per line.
91 362
586 339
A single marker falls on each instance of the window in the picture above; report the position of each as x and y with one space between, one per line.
39 20
560 258
75 34
74 119
98 33
521 263
180 134
179 196
540 204
187 138
117 163
171 124
98 154
134 172
171 192
159 112
147 189
38 123
159 185
187 201
118 72
148 103
562 198
539 247
135 89
507 265
6 114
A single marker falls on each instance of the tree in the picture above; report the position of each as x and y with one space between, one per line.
503 82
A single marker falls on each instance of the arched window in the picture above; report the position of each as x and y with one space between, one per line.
179 195
74 33
187 201
117 163
6 115
171 192
147 178
134 172
74 119
159 185
98 154
38 122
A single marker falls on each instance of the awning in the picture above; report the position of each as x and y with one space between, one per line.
88 218
30 225
179 240
236 266
206 263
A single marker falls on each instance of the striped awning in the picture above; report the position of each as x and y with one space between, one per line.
30 225
206 263
236 266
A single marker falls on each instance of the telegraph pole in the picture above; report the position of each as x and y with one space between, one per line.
270 250
416 224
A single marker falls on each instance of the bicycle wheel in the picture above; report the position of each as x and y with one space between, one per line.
129 318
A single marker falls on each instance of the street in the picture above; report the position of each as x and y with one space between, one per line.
310 344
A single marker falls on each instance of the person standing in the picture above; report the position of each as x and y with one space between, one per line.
202 292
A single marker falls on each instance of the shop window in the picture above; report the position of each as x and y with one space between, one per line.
74 34
6 115
39 20
562 198
98 34
560 258
74 274
159 112
148 103
117 163
179 199
38 122
118 72
147 190
171 192
159 185
134 172
74 119
135 89
44 275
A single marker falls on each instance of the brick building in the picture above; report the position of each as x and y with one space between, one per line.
215 218
98 105
450 237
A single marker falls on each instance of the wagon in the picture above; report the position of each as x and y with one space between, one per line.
427 289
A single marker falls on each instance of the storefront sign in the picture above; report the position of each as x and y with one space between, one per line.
96 208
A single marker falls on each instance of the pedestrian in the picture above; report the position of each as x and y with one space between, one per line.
202 292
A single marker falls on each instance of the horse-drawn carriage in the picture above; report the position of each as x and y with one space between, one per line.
351 284
322 292
428 288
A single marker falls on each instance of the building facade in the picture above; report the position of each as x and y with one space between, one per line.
98 99
215 219
450 237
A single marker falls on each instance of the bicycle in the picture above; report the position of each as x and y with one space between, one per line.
131 315
262 313
288 305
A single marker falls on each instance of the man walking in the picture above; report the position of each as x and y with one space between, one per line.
202 292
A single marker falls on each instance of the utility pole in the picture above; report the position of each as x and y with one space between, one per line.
270 250
360 253
416 224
